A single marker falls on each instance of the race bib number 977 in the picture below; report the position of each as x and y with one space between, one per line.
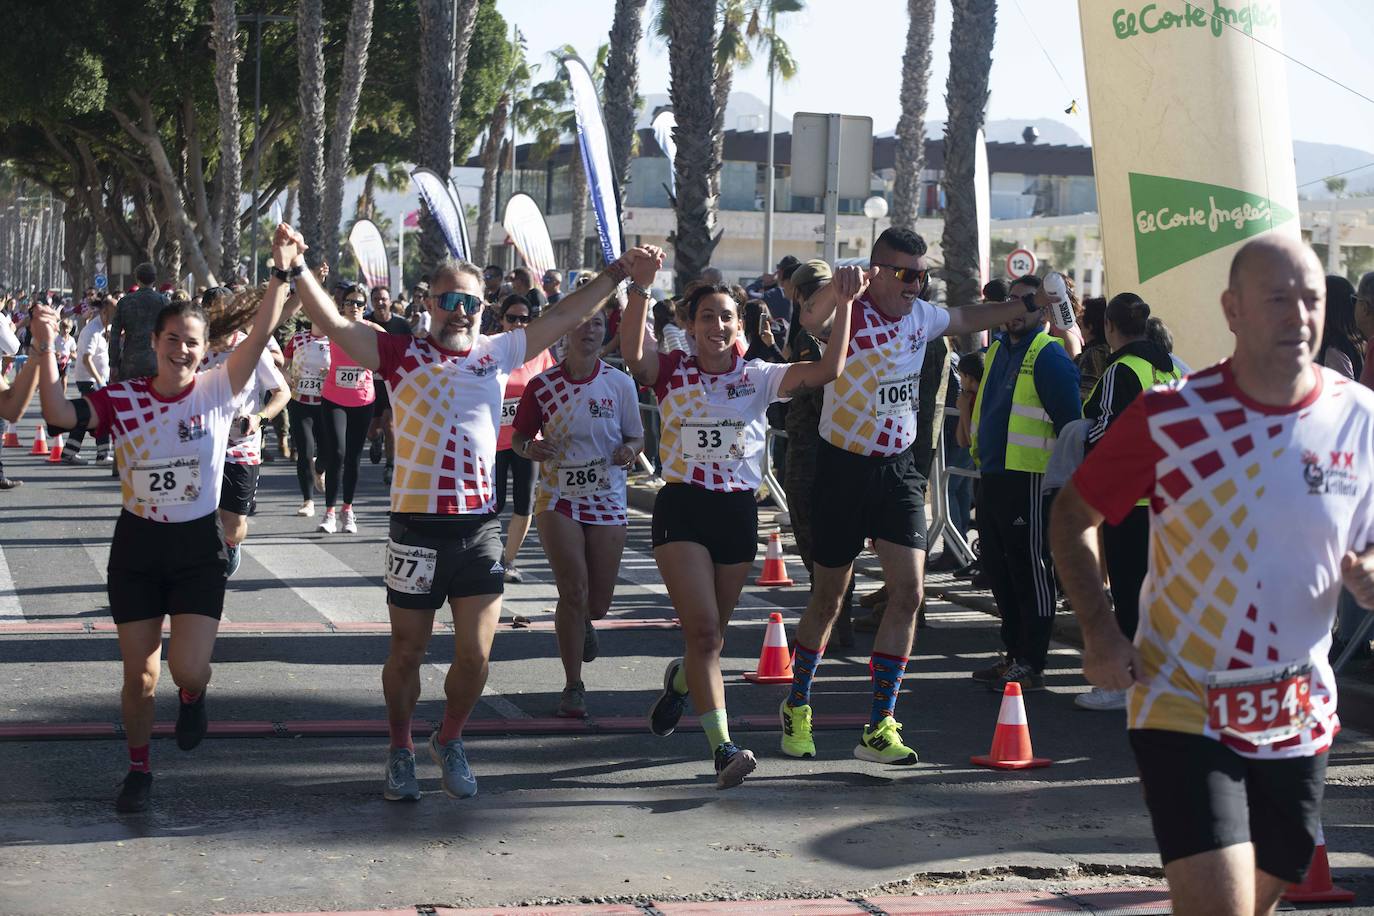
410 570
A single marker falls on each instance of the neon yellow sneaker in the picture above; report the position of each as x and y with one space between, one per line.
883 744
796 731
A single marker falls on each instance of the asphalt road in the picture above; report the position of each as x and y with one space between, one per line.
295 821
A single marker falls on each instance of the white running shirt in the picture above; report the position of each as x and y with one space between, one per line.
247 449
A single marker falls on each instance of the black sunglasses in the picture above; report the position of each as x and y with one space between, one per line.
360 303
517 319
450 302
907 274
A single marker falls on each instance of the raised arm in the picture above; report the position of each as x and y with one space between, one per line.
358 340
848 285
545 330
57 410
14 399
287 250
642 365
819 309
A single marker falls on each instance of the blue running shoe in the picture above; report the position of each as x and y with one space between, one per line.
455 774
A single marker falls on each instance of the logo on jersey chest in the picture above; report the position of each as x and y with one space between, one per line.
744 388
915 341
484 366
191 430
601 408
1336 477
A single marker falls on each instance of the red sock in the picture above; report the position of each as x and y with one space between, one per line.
140 759
187 696
452 727
400 735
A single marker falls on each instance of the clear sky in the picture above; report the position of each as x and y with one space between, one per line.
850 57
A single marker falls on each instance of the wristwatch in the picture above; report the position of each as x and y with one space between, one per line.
642 290
285 275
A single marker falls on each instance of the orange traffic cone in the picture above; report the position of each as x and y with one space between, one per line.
55 455
775 663
40 443
1011 742
1318 887
774 567
11 438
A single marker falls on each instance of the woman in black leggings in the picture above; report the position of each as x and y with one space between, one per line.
307 360
347 414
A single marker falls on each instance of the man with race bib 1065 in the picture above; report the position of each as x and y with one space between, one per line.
445 542
1261 488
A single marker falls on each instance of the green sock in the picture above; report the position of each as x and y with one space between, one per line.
680 679
717 729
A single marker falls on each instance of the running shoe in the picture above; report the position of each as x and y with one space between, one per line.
348 521
253 506
993 672
732 765
591 643
573 703
1098 699
192 721
796 731
883 744
670 705
455 774
70 457
514 575
401 784
1025 675
374 449
9 483
307 509
235 553
387 473
872 598
133 795
104 458
327 524
319 482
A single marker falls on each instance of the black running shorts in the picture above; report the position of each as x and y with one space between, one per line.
433 558
239 487
856 497
159 568
1204 796
381 403
726 524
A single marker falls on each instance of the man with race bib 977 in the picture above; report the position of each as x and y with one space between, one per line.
1261 497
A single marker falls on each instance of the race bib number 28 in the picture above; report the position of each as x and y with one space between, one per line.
410 570
169 482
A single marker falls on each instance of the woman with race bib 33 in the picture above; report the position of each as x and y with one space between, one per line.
588 413
168 555
705 525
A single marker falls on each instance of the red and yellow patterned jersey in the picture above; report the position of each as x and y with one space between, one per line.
1252 508
871 408
586 420
446 407
515 388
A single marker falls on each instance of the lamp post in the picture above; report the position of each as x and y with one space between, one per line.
257 19
875 208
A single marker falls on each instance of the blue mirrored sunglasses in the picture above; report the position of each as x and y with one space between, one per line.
450 302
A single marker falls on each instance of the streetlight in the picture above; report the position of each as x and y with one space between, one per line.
875 208
257 18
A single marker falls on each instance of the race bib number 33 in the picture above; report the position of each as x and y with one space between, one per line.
1261 705
410 570
172 481
710 440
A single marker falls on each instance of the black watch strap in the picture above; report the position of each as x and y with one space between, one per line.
285 275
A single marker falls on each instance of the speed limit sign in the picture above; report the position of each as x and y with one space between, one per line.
1020 263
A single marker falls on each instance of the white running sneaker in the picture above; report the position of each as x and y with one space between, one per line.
348 521
1100 700
327 524
307 509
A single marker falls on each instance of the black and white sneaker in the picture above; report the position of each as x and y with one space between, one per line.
133 795
670 705
192 721
732 765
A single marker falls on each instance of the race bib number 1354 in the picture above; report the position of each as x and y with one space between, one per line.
1261 705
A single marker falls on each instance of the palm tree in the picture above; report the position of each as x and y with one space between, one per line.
691 30
966 97
345 116
227 56
620 89
906 185
310 61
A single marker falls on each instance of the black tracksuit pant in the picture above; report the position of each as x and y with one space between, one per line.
1127 547
1013 525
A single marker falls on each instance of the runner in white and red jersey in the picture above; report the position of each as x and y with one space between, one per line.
243 460
867 483
705 525
445 542
1261 488
307 356
588 413
167 556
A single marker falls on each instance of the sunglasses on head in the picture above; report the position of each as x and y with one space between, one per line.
907 274
517 319
451 301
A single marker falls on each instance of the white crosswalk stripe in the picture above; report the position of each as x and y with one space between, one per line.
335 590
10 609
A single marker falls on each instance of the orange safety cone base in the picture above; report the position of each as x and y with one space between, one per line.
985 760
783 581
1334 895
754 677
1318 887
775 662
774 566
40 446
11 439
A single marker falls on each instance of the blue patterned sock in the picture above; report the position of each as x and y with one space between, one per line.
804 662
887 673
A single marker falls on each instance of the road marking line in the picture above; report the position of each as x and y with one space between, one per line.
352 598
10 609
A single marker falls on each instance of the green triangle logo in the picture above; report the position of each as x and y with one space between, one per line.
1178 220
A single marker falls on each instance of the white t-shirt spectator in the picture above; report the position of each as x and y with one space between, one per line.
92 343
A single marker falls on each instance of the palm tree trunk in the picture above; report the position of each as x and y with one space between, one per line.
577 232
345 116
467 23
620 89
724 81
491 161
966 97
911 147
310 59
691 41
227 56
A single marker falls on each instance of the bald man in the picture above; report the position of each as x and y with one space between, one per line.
1260 476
